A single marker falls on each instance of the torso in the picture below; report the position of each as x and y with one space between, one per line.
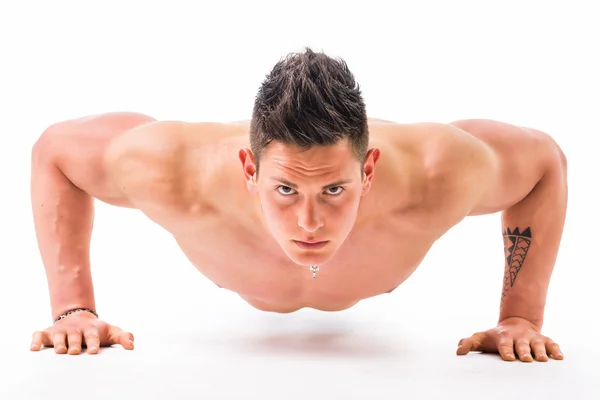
439 173
374 260
230 250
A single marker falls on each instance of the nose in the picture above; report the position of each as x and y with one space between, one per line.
308 217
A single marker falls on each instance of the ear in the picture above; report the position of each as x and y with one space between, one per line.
248 166
369 168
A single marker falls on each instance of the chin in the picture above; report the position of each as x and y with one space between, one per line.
309 261
308 258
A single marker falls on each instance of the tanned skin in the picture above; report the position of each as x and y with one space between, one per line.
199 182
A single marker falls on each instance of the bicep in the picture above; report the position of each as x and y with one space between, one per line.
77 147
520 155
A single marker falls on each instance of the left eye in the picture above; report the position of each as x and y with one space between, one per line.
337 190
285 190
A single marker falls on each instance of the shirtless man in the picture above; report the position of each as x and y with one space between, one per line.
308 204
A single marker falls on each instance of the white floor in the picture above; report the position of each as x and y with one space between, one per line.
194 340
356 355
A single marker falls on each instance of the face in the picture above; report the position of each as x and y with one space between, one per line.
309 198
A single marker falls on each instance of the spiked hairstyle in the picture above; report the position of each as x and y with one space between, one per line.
309 99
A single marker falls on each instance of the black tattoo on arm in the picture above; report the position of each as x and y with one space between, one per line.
516 245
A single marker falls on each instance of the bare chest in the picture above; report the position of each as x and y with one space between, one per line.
369 263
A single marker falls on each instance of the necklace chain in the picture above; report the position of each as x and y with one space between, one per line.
314 269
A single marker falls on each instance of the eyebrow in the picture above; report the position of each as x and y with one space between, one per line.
294 186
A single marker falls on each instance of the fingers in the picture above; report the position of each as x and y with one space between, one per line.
523 350
464 346
62 341
117 336
126 340
511 347
59 341
92 340
554 350
538 348
506 348
39 339
472 343
74 339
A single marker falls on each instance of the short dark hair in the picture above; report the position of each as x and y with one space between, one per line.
309 99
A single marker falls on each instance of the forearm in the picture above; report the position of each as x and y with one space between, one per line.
63 219
532 231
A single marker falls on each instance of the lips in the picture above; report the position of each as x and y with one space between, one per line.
312 245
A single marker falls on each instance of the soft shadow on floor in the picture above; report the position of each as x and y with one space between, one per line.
333 343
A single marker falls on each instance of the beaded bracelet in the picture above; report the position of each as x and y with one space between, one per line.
75 310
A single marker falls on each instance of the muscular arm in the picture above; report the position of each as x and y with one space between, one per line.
529 187
67 172
532 231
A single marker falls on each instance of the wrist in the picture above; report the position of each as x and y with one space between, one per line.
61 307
537 324
85 311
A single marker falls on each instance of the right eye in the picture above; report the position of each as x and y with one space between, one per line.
285 190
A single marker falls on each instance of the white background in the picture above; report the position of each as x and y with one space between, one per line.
523 62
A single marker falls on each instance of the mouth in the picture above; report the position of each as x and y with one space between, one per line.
311 245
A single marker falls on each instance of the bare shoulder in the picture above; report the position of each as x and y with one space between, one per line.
522 156
450 168
441 151
161 167
483 166
510 138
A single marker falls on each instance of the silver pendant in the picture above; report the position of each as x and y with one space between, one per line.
314 269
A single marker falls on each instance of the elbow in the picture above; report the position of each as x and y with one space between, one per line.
558 162
562 157
557 155
115 160
45 147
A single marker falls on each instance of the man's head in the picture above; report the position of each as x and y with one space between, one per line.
309 145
